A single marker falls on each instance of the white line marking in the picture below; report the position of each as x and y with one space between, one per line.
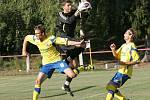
99 94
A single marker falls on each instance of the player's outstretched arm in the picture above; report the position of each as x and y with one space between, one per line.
77 43
66 41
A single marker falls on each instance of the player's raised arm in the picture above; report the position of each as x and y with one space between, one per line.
113 49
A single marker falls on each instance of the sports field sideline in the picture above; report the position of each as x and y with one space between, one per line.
87 86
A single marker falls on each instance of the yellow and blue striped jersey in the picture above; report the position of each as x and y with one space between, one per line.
126 53
48 51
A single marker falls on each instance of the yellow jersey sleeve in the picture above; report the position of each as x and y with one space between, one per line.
32 39
59 40
134 54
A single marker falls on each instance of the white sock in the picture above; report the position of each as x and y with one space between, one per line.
67 83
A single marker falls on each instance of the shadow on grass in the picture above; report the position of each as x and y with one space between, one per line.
72 91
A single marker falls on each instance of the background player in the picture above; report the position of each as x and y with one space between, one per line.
127 56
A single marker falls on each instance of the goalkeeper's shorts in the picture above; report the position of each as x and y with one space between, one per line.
73 53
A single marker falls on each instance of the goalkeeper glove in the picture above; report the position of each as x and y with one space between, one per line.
84 6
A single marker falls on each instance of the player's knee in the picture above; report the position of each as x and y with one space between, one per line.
37 89
72 75
37 82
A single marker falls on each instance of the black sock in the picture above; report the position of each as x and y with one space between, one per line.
68 81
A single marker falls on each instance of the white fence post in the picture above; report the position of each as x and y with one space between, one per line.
106 66
28 63
81 59
88 46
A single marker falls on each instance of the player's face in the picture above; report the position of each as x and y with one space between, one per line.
67 7
128 35
38 34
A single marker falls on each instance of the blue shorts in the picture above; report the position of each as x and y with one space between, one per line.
119 79
48 69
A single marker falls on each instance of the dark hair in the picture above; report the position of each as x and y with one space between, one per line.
66 1
40 27
134 33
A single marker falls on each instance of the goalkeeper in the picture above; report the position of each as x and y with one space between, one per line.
127 56
65 27
51 59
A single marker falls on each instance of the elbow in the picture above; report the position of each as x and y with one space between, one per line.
25 40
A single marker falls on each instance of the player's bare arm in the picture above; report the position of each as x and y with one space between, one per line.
77 44
24 51
113 49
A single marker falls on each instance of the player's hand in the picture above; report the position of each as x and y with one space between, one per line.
84 6
83 44
113 46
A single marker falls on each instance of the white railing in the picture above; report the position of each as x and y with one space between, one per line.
28 64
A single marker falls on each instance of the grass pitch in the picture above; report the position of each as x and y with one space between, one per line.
87 86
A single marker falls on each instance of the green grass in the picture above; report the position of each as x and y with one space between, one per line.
87 86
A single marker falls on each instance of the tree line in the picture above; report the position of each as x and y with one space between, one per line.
107 21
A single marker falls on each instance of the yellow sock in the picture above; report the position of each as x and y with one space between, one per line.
35 95
109 96
119 96
36 92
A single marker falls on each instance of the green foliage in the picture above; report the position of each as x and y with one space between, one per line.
47 11
140 17
18 18
108 20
